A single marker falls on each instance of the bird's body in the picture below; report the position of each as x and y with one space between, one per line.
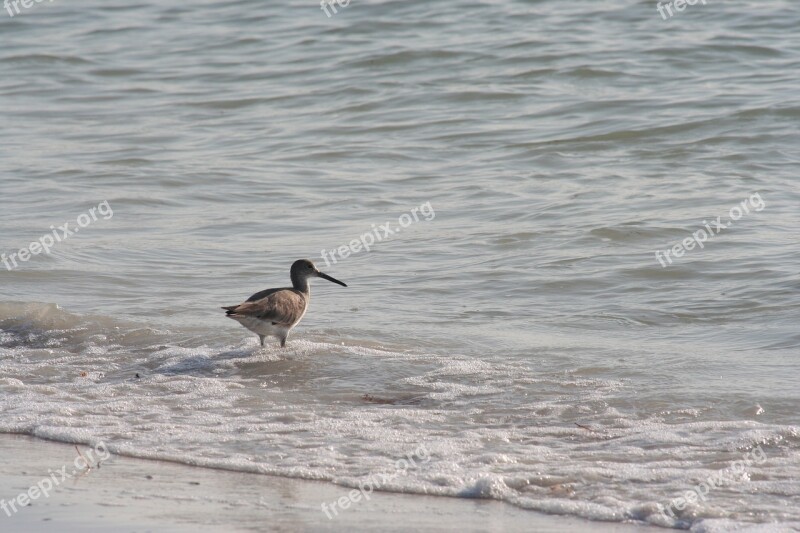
274 312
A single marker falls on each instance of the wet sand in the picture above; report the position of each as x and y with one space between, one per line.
126 495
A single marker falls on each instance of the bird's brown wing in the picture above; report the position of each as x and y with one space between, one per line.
283 307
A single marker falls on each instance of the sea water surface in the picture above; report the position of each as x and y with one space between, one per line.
523 333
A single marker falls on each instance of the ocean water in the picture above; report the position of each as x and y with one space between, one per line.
520 339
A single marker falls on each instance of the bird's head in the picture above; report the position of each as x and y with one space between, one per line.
303 269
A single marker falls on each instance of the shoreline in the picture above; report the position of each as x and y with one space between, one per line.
140 494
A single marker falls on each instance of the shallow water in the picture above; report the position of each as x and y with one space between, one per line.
523 332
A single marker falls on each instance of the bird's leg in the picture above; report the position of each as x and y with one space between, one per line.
283 342
262 340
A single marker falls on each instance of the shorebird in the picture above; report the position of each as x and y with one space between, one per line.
276 311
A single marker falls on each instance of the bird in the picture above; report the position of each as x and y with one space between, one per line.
274 312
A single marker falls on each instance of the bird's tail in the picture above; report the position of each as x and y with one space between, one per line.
230 309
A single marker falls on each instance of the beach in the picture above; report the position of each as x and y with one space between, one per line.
127 495
400 265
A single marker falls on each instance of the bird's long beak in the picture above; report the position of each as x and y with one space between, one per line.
329 278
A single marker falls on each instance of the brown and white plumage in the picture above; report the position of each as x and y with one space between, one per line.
274 312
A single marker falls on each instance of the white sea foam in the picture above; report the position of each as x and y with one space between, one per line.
494 429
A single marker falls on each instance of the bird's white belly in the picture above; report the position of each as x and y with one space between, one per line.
262 327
